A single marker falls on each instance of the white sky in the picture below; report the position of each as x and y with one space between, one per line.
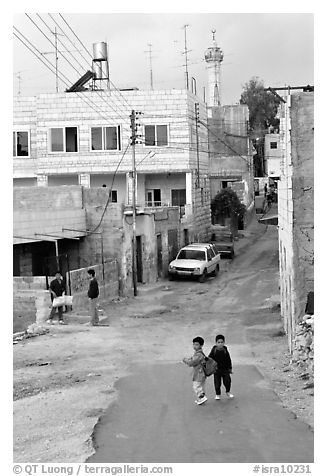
277 47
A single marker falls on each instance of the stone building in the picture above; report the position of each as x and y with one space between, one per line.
82 138
296 207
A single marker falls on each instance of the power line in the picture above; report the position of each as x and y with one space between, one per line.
89 54
109 196
70 63
88 102
92 59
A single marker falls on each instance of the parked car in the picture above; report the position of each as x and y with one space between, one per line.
224 242
198 260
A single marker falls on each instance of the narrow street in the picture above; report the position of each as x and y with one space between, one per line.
125 383
155 418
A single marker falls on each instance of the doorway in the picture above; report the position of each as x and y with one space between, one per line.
139 260
159 256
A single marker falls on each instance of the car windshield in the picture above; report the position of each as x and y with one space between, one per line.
192 254
223 247
224 238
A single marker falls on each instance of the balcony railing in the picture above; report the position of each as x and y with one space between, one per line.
153 204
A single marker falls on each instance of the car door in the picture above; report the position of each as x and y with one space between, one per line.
217 254
211 260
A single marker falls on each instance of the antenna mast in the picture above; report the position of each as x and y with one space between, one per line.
150 59
186 60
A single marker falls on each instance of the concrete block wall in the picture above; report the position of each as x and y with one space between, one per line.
108 279
145 227
21 283
47 211
302 143
295 208
165 220
24 309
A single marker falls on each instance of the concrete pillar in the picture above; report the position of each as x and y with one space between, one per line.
42 304
84 180
129 188
189 187
42 180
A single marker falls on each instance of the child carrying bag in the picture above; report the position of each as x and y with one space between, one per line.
209 366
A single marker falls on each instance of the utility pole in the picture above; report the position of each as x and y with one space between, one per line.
19 77
185 53
197 118
150 59
134 116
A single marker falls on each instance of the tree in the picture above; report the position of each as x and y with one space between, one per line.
226 204
263 105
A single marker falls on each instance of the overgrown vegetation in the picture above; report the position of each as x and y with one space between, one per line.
226 204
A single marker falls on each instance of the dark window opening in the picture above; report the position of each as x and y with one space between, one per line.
178 197
113 196
150 135
63 139
71 139
96 138
20 144
156 135
273 145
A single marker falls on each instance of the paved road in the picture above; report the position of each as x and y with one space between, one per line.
155 418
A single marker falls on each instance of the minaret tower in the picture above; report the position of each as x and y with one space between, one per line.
214 57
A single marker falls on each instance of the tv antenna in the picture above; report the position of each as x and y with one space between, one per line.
55 33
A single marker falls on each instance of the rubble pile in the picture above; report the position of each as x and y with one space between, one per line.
303 353
32 331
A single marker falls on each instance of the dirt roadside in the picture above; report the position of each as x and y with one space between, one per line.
65 380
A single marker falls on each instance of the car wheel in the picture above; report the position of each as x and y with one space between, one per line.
171 277
203 276
215 271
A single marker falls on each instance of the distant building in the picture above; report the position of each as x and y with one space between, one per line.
272 156
231 154
230 148
296 207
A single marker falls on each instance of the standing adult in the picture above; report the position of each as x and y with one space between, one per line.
93 294
57 288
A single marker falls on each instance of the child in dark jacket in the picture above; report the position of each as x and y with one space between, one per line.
220 354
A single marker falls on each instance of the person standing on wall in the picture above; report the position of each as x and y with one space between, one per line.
57 288
93 294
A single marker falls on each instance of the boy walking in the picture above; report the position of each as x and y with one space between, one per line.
199 377
220 354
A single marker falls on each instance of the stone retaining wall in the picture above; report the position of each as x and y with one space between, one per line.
303 344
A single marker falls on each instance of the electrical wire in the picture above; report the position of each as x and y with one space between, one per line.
61 75
109 195
92 59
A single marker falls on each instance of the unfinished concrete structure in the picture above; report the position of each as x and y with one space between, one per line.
296 207
72 228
